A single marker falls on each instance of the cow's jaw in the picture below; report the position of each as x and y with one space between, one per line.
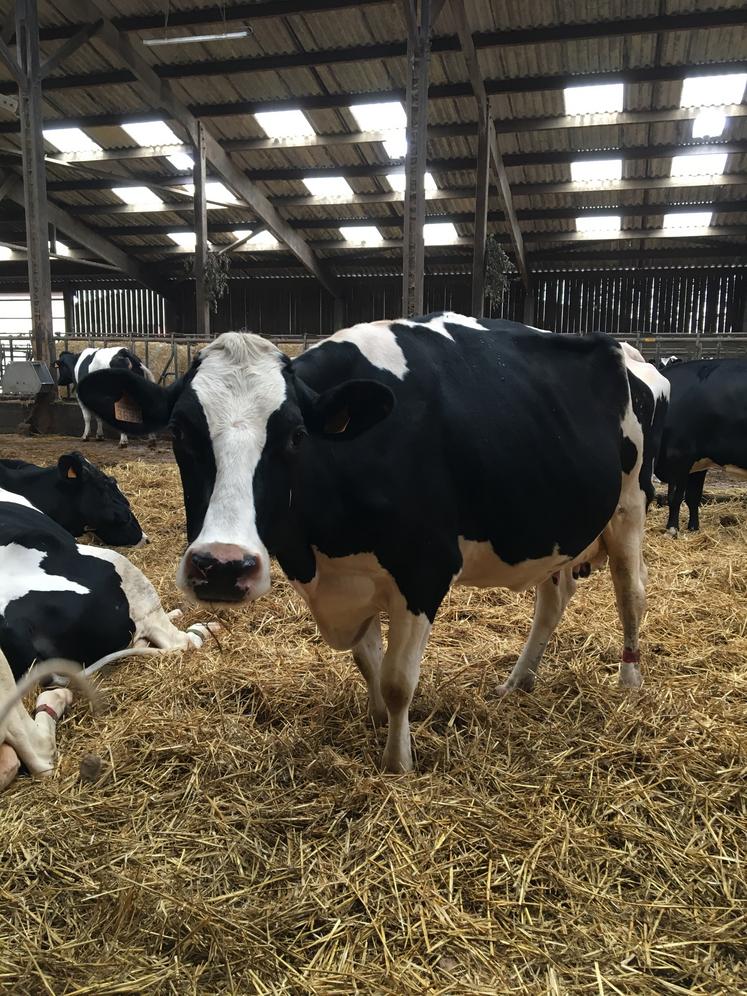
239 384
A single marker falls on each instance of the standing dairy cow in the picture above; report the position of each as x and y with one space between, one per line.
705 428
72 368
397 458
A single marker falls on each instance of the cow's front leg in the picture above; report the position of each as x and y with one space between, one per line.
551 598
368 654
400 670
123 441
693 498
99 429
674 499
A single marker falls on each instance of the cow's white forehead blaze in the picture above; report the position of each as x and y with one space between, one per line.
239 384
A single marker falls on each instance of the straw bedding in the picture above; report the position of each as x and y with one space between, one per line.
240 840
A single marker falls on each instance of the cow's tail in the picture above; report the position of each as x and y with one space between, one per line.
38 673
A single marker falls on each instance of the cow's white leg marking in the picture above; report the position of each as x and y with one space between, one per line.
400 670
368 654
123 441
32 741
623 538
549 606
86 421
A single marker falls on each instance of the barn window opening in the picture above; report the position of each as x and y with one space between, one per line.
688 219
598 223
603 98
596 170
70 140
138 196
365 235
691 164
285 124
328 186
389 115
439 233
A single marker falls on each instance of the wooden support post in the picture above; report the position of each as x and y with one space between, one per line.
202 304
35 181
481 216
413 254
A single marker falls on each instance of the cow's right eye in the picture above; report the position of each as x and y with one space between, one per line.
297 437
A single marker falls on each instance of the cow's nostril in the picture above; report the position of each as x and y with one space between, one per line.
200 564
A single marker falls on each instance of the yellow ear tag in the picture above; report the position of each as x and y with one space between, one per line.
127 410
71 473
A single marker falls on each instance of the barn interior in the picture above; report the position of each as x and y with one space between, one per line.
170 170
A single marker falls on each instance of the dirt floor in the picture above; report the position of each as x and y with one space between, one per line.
240 839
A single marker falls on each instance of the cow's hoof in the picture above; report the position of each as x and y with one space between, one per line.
630 677
396 763
123 446
671 531
175 614
152 444
693 529
9 765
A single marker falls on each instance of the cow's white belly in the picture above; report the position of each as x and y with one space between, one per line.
728 468
483 568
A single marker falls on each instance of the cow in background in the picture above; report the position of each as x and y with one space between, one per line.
705 428
76 495
397 458
72 368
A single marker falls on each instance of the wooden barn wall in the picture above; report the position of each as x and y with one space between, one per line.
710 301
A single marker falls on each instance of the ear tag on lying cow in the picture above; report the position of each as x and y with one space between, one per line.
71 473
338 422
127 410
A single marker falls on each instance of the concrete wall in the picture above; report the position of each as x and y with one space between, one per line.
66 418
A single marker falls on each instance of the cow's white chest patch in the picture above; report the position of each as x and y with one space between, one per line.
21 572
377 342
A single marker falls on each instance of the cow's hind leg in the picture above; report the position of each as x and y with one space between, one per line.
99 429
623 538
123 440
675 495
86 422
400 670
551 598
368 654
693 497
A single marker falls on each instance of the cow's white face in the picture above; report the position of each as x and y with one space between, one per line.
220 430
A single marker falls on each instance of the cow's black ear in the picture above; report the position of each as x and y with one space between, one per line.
346 411
128 402
70 466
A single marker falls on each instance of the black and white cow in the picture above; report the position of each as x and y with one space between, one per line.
705 428
397 458
72 368
78 496
61 599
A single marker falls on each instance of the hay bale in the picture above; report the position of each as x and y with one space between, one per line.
578 840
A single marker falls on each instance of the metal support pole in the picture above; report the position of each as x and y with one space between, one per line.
413 255
202 305
481 217
35 181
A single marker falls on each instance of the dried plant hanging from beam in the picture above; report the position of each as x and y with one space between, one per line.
499 272
217 266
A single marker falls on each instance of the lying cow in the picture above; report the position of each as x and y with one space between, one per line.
78 496
395 459
72 368
61 599
705 428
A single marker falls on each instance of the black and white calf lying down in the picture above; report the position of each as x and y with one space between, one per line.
62 599
705 428
78 496
395 459
72 368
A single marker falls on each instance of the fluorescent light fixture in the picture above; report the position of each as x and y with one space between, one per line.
596 170
397 182
327 186
70 140
195 39
367 235
137 196
598 223
691 164
702 91
688 219
187 240
214 191
439 233
283 124
262 240
389 115
709 123
594 99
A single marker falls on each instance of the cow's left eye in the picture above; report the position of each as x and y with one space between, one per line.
297 437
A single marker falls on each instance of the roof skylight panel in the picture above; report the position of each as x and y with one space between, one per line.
599 223
284 124
692 164
688 219
150 133
709 123
596 170
367 235
704 91
389 115
138 196
70 140
439 233
594 98
262 240
327 186
187 240
397 182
